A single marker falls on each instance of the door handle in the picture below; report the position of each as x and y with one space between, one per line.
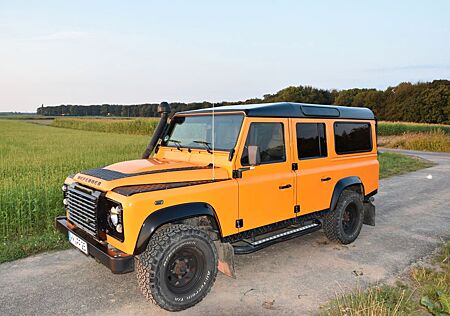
325 179
286 186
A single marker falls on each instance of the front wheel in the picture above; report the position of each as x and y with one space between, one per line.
344 223
178 268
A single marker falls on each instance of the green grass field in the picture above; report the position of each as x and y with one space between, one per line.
35 159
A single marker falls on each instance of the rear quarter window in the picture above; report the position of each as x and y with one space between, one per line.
352 137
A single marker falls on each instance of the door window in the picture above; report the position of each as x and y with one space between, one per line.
269 137
311 140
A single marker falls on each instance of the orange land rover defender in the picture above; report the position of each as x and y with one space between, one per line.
221 182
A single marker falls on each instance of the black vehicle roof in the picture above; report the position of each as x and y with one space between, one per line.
289 109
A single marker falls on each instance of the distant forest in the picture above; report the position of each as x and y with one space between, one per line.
427 102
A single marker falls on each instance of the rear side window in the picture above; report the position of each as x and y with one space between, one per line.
311 140
269 137
350 137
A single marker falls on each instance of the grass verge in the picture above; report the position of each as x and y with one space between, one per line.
29 245
393 164
425 290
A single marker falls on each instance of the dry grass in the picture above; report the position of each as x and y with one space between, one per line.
429 141
375 301
426 290
434 283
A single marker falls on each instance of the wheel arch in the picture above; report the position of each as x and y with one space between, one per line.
172 214
352 182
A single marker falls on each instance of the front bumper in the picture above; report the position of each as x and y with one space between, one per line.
117 261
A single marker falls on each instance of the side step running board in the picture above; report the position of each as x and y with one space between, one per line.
246 246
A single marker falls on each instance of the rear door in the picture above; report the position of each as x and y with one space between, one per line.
314 179
266 192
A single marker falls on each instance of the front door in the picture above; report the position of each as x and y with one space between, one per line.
266 191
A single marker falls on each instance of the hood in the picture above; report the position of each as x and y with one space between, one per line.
147 171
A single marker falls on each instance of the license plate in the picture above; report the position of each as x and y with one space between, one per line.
78 242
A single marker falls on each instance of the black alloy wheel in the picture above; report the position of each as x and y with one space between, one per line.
184 270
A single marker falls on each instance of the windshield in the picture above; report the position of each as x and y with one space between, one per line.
196 132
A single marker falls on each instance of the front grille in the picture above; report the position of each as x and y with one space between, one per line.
82 208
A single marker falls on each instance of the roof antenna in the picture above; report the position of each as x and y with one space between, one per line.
213 144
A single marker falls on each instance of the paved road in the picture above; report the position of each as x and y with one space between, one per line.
413 215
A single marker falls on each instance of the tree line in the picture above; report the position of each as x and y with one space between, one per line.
423 102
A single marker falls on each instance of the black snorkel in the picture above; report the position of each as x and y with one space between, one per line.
164 110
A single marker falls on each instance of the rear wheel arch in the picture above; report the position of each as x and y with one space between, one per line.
353 183
188 213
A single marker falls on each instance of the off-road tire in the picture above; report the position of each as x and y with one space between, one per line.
333 223
155 276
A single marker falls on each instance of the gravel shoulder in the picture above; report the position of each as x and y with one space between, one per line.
297 276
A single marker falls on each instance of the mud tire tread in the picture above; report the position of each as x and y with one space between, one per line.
332 225
146 263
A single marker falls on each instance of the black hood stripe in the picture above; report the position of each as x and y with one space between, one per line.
142 188
109 175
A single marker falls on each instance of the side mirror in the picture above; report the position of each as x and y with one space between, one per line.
254 157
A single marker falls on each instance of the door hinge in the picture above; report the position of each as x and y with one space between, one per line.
297 209
239 223
294 166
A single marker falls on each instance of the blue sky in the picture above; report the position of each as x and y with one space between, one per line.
93 52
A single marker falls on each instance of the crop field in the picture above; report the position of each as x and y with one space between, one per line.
414 136
35 159
400 128
144 126
139 126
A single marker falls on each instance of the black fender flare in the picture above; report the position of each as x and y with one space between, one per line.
341 185
171 214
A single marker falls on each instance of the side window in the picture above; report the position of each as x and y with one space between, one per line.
311 140
269 137
352 137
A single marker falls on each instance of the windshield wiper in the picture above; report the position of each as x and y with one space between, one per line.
206 144
176 142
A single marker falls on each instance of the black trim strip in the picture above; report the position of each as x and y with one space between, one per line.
108 175
245 247
142 188
275 226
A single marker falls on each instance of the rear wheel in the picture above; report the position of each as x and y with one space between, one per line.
178 268
344 223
